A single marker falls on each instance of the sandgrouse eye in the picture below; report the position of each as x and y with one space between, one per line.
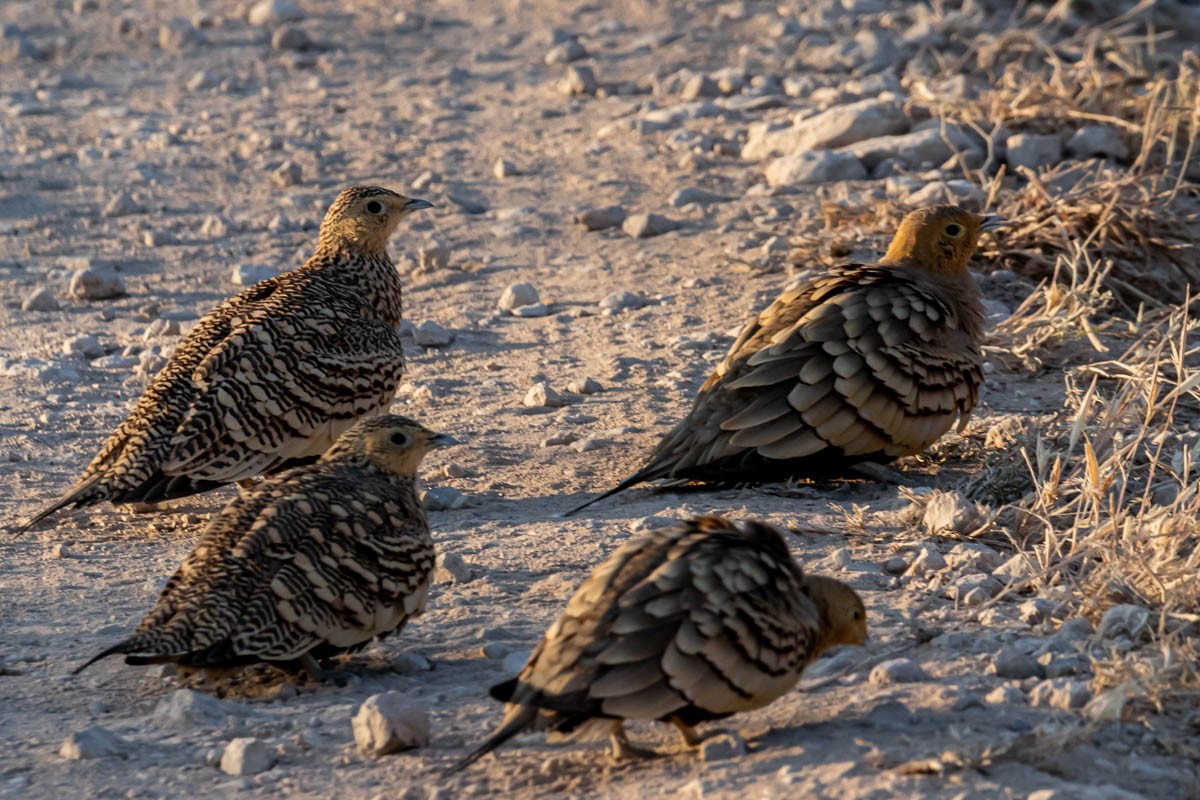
374 207
954 230
399 439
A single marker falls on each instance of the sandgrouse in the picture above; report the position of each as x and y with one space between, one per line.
270 377
685 624
314 561
865 363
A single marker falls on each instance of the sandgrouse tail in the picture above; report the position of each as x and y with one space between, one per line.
314 561
686 624
865 363
271 377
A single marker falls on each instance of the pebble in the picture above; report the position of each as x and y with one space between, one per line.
1125 620
622 301
250 274
431 334
695 195
1035 610
267 12
411 663
1063 693
540 395
897 670
535 310
1011 662
179 34
814 166
598 219
586 445
93 742
584 386
1097 140
290 37
246 756
214 226
699 86
187 709
40 299
973 555
722 746
1005 696
1032 150
503 168
951 511
578 80
518 295
565 53
836 127
927 560
451 569
287 174
83 346
388 723
443 498
559 439
912 150
513 662
121 205
1057 665
643 226
1014 569
434 255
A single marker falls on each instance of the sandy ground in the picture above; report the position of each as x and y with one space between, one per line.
191 135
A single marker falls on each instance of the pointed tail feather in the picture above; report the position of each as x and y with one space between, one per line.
85 494
120 647
632 480
517 723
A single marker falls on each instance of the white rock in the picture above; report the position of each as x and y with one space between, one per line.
837 127
267 12
517 295
121 205
93 742
927 560
1033 150
410 663
535 310
433 256
916 149
450 568
602 218
1064 693
95 283
390 722
431 334
287 174
1125 620
1012 662
976 556
622 301
541 395
187 709
951 511
179 34
897 670
1097 140
513 662
503 168
250 274
83 346
40 299
584 386
644 226
246 756
1016 568
814 166
578 80
290 37
565 53
442 498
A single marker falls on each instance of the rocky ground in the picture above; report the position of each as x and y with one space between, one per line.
617 187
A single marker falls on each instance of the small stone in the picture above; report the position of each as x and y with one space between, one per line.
268 12
431 334
214 226
695 195
598 219
973 555
1101 141
578 81
1032 150
837 127
814 166
1010 662
514 661
179 34
188 709
951 511
643 226
503 168
722 746
584 386
83 346
287 174
559 439
411 663
1005 696
388 723
700 86
204 79
1125 620
920 148
540 395
927 560
40 299
290 37
535 310
408 21
250 274
434 255
1016 568
896 565
93 742
516 295
246 756
622 301
588 444
121 205
442 498
1057 665
897 670
1063 693
565 53
451 569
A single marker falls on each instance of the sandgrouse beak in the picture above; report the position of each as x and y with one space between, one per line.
416 205
991 223
443 439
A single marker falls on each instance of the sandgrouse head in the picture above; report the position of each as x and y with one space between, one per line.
844 618
391 442
939 239
363 217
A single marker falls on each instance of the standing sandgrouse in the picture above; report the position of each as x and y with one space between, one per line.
315 561
271 377
685 624
865 363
